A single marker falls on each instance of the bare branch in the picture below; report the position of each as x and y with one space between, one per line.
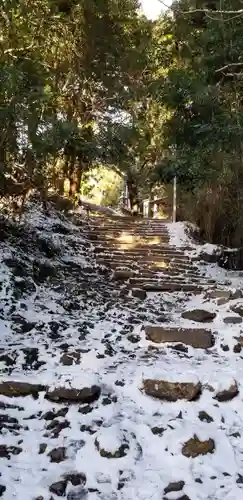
227 66
236 75
208 11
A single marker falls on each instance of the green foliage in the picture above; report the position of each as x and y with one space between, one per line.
60 77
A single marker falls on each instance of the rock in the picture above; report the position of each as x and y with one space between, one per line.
231 259
175 486
56 427
205 417
57 455
119 453
76 478
59 488
232 320
196 337
84 395
22 324
224 347
194 447
42 448
182 497
199 315
171 391
83 494
85 409
122 274
239 480
218 294
13 389
237 348
179 347
7 451
158 431
222 301
237 308
139 293
134 339
228 394
70 358
237 294
210 258
2 489
5 358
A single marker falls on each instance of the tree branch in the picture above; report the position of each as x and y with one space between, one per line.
208 11
227 66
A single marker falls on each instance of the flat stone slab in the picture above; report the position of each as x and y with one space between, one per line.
83 395
13 389
195 337
199 315
171 391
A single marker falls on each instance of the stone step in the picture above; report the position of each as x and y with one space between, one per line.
151 257
157 281
139 246
111 240
133 221
127 225
128 230
114 264
139 251
145 258
172 286
129 218
143 273
199 338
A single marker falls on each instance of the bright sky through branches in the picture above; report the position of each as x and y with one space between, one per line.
152 8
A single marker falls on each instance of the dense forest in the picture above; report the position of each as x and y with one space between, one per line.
88 84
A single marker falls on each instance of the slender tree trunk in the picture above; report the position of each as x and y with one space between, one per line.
132 192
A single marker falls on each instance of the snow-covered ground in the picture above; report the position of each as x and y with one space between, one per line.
55 304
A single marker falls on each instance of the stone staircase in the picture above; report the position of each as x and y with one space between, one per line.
140 254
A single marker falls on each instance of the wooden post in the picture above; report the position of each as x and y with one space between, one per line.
174 200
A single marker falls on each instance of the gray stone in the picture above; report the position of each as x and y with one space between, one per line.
237 294
175 486
122 274
119 453
57 455
83 395
196 337
237 308
139 293
199 315
76 478
7 451
221 301
228 394
232 320
59 488
171 391
2 489
216 294
42 448
70 358
205 417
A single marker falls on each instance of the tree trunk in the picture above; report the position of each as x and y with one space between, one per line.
132 192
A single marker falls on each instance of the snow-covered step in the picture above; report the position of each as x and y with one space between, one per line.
199 338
